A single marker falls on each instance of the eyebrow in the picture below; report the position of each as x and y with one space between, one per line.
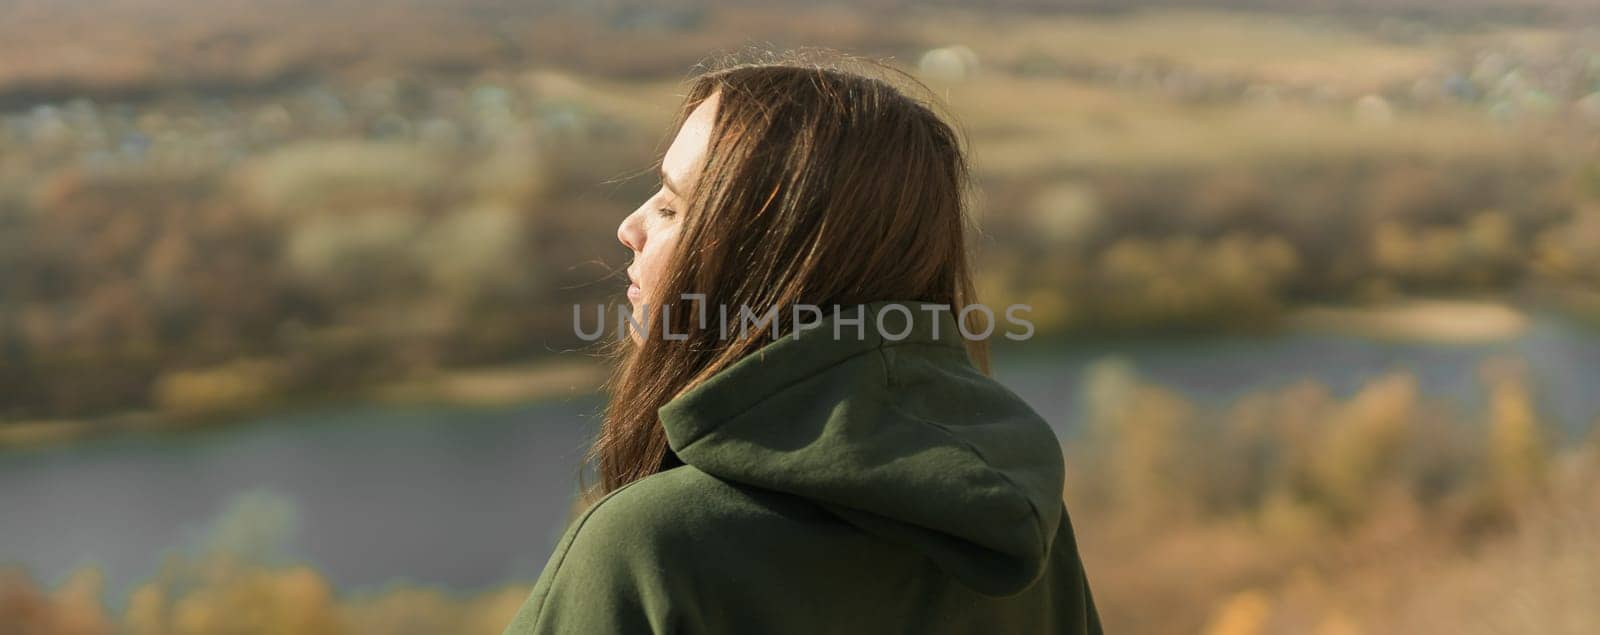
666 181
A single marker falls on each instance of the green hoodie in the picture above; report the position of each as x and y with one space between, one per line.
865 483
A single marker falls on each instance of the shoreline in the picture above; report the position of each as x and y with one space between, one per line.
1436 321
1417 320
465 387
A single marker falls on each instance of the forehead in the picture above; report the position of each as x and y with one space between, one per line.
689 147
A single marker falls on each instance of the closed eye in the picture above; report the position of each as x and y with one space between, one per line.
663 209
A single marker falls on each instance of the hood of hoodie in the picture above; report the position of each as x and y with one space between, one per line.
892 429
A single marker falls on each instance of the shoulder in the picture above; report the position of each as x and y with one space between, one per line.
687 522
633 562
668 514
610 572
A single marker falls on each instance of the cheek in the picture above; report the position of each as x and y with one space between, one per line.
658 253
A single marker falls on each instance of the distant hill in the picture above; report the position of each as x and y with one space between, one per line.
128 49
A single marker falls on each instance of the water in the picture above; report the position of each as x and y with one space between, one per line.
466 498
454 497
1563 358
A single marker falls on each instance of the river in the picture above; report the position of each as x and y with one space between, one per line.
466 498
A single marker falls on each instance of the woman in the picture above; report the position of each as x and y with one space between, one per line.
837 479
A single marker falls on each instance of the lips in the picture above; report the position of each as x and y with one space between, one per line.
634 292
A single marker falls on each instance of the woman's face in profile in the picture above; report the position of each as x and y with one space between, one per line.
651 231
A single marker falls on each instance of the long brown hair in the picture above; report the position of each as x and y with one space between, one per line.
821 186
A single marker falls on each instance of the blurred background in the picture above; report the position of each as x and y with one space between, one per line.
286 331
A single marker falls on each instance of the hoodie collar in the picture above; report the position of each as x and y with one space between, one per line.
806 352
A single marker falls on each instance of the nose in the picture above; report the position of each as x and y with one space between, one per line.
631 232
